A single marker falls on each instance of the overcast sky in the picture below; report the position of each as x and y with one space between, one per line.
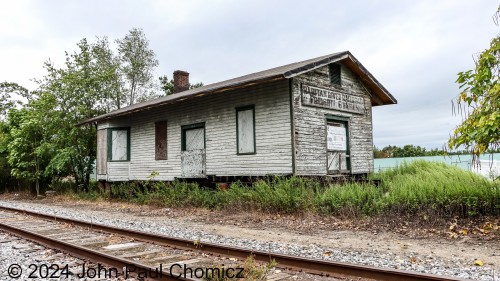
414 48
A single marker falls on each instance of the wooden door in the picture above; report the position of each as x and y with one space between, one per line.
102 152
337 148
193 155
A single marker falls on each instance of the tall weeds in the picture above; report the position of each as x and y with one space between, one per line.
410 188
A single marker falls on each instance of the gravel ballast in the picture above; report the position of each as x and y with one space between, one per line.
455 266
23 260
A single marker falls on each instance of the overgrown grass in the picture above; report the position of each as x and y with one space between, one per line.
439 187
71 189
351 199
272 195
410 188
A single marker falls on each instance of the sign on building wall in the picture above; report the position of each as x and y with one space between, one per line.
314 96
336 138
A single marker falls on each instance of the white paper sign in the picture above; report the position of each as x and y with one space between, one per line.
337 139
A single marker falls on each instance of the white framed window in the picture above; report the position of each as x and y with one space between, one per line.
119 144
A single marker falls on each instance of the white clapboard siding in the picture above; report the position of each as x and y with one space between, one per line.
310 126
218 111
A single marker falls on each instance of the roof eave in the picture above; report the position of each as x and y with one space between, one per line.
379 95
386 97
315 65
181 97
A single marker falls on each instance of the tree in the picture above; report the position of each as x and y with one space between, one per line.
377 153
137 65
479 103
168 85
108 67
10 99
81 90
39 141
5 168
30 148
6 100
408 150
43 142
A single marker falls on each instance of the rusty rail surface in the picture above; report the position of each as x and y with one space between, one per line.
308 265
85 253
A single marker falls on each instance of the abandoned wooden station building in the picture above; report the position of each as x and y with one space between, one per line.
311 118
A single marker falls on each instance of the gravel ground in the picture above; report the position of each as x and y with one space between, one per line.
24 260
455 266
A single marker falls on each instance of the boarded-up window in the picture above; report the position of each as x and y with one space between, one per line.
161 140
118 144
245 130
335 77
102 146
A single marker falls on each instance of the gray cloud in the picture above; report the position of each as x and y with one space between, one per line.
414 49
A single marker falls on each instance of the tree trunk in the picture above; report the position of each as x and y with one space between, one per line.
87 181
132 91
37 187
37 184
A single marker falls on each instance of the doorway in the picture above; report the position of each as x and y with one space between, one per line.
337 147
193 155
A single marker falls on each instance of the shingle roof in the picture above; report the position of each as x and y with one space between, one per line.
382 96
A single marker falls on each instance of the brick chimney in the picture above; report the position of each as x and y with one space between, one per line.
181 81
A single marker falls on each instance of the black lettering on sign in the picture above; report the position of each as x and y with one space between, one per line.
314 96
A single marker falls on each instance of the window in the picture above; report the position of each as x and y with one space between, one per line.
245 130
335 77
161 140
119 144
193 137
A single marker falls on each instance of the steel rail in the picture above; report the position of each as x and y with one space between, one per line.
308 265
85 253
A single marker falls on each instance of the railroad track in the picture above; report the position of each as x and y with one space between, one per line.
153 255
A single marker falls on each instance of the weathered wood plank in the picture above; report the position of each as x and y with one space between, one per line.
310 125
161 151
272 132
102 151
